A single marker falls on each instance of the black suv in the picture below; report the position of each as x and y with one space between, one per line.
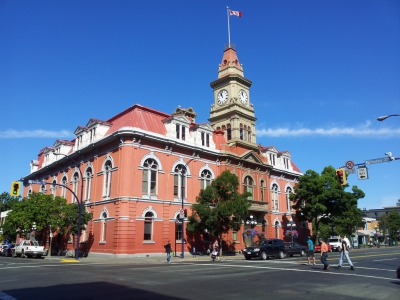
263 249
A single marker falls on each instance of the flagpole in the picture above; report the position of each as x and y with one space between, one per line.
229 30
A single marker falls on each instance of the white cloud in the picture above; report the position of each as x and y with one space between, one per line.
12 134
359 131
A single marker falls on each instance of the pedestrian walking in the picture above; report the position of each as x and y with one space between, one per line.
194 251
344 252
310 253
324 253
168 250
216 250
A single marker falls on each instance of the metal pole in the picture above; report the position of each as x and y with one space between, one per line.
229 30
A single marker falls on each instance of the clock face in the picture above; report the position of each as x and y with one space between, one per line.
222 97
243 96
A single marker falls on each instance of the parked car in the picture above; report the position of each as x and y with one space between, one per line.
263 249
8 250
295 248
28 248
318 248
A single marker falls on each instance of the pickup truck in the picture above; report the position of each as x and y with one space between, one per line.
28 248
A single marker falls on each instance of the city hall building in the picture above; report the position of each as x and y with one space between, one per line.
131 166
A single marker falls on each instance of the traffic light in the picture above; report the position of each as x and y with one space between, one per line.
15 189
185 213
341 176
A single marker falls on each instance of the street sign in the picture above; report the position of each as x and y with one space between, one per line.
362 173
377 160
349 164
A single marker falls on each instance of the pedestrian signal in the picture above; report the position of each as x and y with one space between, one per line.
15 189
341 176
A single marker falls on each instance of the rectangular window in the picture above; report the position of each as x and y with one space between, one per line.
176 185
178 131
202 139
88 188
241 131
228 132
234 235
208 140
178 232
183 132
147 230
145 184
153 182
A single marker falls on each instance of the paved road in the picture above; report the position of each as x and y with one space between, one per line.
199 278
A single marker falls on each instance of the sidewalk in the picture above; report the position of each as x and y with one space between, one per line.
162 257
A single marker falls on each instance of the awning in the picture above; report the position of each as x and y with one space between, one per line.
365 232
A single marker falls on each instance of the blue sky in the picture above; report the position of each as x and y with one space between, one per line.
322 72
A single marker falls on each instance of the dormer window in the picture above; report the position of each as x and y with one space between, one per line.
180 132
205 139
286 162
272 158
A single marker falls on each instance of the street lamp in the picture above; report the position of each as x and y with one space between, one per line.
385 117
291 224
252 222
79 205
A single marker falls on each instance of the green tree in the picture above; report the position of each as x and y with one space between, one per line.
7 201
393 218
47 213
319 199
220 207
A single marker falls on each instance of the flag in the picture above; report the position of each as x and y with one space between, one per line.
235 13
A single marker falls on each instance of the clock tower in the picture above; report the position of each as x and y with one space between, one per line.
232 110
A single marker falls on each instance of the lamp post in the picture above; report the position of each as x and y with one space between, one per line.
385 117
291 224
250 221
79 205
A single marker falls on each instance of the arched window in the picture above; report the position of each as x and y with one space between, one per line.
107 179
104 217
75 183
43 188
64 182
53 188
228 132
148 226
248 186
149 177
88 187
180 181
274 192
288 202
262 190
205 179
277 229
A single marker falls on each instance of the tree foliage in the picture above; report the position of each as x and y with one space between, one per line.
319 199
393 223
7 201
45 213
220 207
